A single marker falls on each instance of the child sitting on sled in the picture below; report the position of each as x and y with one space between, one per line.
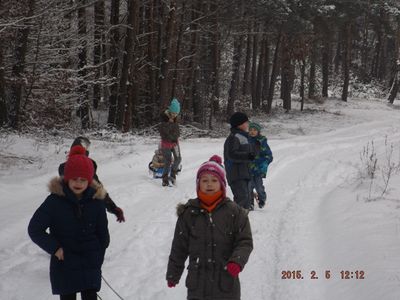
157 164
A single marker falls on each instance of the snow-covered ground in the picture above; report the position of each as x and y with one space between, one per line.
320 214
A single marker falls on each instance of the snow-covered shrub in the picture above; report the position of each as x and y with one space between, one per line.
379 171
369 161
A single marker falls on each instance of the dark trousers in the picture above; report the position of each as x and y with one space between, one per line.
85 295
241 190
167 153
258 185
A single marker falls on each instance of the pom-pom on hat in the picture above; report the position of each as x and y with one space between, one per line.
238 118
175 106
78 165
214 167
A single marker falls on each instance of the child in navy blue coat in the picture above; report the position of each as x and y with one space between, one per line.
78 234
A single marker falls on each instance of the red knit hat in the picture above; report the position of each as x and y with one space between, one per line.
214 167
78 165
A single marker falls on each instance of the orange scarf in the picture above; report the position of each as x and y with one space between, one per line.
209 202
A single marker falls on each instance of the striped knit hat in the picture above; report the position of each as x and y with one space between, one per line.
256 126
214 167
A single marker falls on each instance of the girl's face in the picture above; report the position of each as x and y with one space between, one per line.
173 115
253 132
209 184
78 185
244 126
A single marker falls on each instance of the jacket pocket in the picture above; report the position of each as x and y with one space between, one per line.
226 281
192 279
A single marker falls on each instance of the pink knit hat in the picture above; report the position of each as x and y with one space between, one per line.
214 167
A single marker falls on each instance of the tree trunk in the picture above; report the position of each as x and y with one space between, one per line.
151 70
177 55
260 76
127 61
364 47
287 74
395 88
338 55
114 54
167 55
190 86
378 48
99 11
236 61
265 89
396 68
18 69
246 75
3 103
215 74
313 62
346 61
383 58
254 64
302 74
274 73
325 65
83 102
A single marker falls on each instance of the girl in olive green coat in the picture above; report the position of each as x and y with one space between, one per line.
214 232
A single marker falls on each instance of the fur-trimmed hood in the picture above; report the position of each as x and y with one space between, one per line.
56 187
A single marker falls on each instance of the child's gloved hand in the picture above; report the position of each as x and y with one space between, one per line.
120 214
171 284
233 269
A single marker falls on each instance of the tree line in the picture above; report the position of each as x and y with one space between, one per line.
65 59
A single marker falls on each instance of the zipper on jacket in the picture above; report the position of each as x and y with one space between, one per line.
212 246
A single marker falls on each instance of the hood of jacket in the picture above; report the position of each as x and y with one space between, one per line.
239 131
56 187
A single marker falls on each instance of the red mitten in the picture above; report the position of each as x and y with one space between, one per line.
120 214
171 284
233 269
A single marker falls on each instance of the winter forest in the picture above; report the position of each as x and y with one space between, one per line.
64 62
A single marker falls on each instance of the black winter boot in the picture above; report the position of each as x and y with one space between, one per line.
165 181
173 177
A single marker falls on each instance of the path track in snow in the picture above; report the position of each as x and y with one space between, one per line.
289 234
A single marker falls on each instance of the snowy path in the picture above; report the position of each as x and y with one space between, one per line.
312 221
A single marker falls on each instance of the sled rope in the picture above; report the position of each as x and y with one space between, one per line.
115 292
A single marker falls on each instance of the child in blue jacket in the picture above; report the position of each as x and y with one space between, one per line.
75 215
259 166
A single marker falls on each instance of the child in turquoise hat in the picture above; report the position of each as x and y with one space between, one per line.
169 132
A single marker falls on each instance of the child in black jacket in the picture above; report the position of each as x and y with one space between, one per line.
238 153
110 204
